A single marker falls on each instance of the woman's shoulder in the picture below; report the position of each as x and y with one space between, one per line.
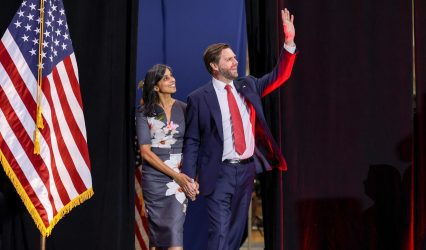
181 104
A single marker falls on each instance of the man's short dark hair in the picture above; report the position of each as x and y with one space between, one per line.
212 55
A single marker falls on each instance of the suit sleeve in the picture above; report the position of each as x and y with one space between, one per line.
280 74
192 139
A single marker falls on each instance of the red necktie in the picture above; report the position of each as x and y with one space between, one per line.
237 124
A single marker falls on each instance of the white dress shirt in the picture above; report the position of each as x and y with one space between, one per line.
228 140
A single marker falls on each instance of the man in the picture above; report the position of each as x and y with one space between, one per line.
227 137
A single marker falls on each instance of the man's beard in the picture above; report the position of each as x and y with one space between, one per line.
228 74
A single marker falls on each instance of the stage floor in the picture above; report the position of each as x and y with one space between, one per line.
256 242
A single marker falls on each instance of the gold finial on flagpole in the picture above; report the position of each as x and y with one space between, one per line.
39 118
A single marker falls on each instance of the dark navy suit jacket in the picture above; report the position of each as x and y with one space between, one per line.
203 146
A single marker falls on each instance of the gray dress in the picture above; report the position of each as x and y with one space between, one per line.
165 203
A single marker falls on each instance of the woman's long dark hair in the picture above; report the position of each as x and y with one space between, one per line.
149 96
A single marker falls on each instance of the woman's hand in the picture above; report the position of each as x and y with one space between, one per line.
187 184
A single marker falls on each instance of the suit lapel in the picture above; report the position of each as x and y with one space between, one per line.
248 95
213 103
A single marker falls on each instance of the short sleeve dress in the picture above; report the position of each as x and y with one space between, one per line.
165 203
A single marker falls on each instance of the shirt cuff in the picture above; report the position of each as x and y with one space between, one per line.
290 49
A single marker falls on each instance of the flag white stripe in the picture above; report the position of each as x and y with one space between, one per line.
72 100
20 109
74 65
138 189
76 157
138 214
29 124
139 223
137 245
20 63
64 176
22 160
60 166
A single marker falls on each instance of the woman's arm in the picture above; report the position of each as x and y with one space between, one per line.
183 180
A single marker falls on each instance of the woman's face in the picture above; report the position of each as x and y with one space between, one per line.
167 85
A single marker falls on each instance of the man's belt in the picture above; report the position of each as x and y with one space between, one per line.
238 161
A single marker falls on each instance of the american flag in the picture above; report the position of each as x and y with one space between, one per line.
57 179
141 223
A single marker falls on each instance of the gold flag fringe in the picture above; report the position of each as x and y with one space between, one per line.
45 231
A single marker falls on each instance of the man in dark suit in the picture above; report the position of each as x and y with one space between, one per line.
227 137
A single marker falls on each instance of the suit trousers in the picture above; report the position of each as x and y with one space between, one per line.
228 205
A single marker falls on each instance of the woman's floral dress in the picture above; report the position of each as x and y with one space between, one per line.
165 203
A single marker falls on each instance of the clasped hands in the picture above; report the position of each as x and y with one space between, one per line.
188 185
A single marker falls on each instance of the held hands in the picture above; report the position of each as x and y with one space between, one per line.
289 30
195 187
188 185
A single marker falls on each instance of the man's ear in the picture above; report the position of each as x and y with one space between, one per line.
214 66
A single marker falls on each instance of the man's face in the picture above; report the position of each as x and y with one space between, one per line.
228 64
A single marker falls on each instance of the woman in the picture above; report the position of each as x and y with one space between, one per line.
160 124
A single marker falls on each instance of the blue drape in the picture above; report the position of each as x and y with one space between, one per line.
176 33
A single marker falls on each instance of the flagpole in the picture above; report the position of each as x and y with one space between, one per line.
39 120
42 242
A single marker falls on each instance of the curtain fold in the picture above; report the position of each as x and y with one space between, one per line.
344 121
418 218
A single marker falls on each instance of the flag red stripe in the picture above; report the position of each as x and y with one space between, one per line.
138 234
30 104
73 80
145 223
63 194
79 139
26 143
143 218
15 77
63 150
138 205
138 175
141 241
23 180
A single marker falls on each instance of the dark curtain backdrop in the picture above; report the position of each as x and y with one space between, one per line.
419 175
101 32
344 121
